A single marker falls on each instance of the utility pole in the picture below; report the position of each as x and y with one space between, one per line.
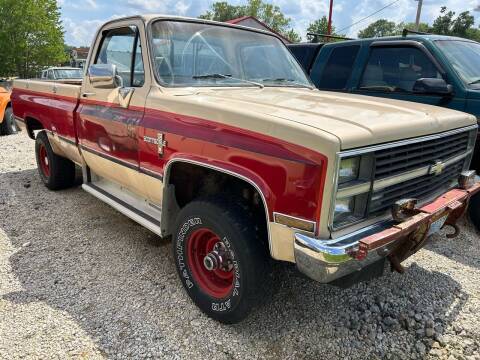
419 12
329 31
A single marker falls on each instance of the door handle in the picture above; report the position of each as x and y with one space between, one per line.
87 94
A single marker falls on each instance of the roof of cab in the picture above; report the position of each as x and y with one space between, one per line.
149 17
417 37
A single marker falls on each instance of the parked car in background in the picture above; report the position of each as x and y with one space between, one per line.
62 73
212 134
430 69
8 125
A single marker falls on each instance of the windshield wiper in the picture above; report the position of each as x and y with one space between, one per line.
291 81
226 76
474 82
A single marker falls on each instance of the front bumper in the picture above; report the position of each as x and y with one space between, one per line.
328 260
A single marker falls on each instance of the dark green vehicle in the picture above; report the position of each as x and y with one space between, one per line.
431 69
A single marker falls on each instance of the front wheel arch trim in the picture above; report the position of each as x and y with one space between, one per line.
225 171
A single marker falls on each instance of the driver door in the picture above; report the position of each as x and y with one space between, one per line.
108 130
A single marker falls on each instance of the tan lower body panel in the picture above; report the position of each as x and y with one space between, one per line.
282 242
143 185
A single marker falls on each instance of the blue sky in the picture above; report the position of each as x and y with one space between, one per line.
82 18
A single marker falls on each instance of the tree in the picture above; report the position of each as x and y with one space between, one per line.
320 26
379 28
462 25
31 36
270 14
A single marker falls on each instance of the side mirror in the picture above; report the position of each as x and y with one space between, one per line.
432 86
104 76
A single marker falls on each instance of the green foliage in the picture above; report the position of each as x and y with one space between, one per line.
379 28
270 14
31 37
320 26
448 24
445 24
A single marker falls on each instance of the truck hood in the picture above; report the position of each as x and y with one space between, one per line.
354 119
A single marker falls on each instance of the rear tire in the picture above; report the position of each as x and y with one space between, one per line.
474 211
215 226
8 126
55 171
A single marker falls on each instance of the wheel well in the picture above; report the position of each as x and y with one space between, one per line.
188 182
32 125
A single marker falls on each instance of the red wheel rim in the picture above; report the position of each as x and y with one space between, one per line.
217 283
44 162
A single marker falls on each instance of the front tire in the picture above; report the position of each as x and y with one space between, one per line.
474 210
55 171
8 126
220 258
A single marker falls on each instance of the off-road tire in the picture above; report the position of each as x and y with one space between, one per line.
8 125
474 210
233 224
55 171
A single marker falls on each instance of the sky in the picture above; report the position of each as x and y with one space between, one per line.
81 18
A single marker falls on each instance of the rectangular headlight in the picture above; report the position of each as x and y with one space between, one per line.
349 169
353 188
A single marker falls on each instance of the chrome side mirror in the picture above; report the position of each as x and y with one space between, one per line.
103 76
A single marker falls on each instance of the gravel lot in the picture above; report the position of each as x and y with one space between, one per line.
80 280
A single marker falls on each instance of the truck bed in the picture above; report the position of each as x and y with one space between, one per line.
53 103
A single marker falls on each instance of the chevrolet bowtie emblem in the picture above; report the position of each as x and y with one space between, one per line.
437 168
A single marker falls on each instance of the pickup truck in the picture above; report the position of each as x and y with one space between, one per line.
425 68
213 135
61 73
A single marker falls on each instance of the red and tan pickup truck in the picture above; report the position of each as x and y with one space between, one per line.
212 134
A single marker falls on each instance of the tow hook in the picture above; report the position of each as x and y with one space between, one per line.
395 264
456 231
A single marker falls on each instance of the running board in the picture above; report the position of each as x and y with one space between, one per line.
137 209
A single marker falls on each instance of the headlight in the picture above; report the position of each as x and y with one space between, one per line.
348 170
353 188
343 209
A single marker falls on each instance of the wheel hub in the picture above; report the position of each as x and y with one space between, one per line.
218 258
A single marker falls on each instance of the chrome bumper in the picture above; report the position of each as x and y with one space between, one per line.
328 260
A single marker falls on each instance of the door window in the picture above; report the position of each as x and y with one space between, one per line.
396 69
122 48
339 68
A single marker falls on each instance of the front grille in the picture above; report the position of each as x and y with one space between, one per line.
400 159
420 188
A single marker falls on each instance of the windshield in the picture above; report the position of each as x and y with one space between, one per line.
465 58
68 74
195 54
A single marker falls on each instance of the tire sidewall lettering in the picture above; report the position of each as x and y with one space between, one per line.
216 305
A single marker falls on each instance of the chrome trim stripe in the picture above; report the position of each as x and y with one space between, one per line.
397 179
373 148
353 190
18 118
199 163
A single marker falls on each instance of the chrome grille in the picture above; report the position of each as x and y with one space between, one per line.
397 160
420 188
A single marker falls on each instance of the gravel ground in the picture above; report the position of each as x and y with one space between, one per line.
80 280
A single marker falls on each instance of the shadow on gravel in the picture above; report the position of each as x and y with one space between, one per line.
118 282
463 249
